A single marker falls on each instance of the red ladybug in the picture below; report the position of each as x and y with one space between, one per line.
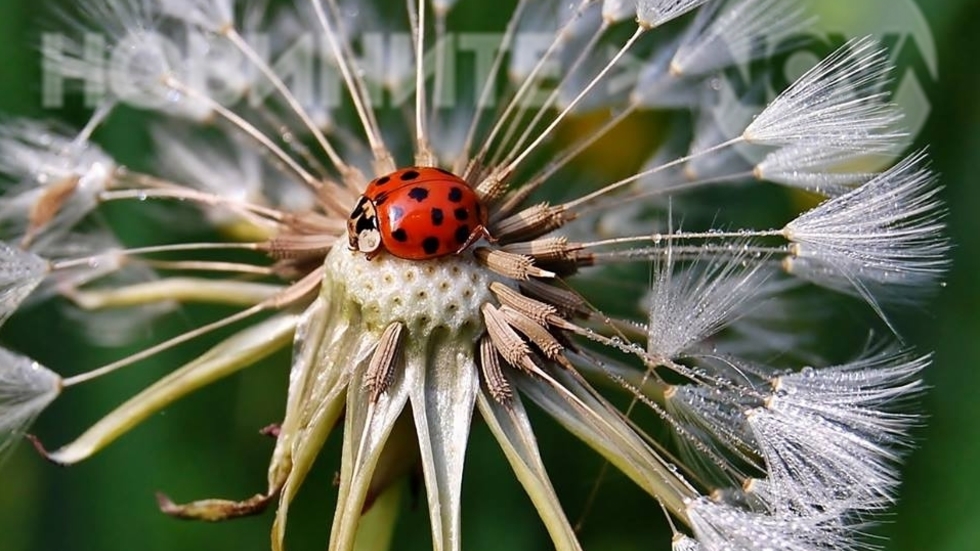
416 213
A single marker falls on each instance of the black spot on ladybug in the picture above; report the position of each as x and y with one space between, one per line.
430 245
400 235
455 195
409 175
380 199
418 193
395 213
461 214
462 234
437 217
382 180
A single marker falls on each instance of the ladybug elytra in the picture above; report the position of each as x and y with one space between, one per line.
416 213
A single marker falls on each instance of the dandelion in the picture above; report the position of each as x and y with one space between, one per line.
403 254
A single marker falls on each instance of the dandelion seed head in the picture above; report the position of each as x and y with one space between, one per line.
751 441
438 295
691 304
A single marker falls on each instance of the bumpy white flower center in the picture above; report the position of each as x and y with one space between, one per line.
424 295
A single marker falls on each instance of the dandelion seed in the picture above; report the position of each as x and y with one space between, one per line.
653 13
839 103
721 527
26 388
690 305
724 35
882 241
20 273
845 456
58 182
818 168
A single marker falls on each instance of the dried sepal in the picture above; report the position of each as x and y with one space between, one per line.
493 376
384 361
509 423
230 356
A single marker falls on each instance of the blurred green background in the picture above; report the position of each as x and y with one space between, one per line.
208 444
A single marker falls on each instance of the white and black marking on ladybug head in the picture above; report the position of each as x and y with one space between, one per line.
368 241
362 227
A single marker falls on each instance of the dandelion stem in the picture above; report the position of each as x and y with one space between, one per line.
423 149
564 158
98 117
669 188
438 79
552 97
678 236
207 266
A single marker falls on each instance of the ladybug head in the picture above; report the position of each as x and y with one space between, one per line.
362 228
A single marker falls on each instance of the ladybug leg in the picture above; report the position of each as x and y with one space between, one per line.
486 234
476 234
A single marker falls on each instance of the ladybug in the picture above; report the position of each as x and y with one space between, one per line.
417 213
